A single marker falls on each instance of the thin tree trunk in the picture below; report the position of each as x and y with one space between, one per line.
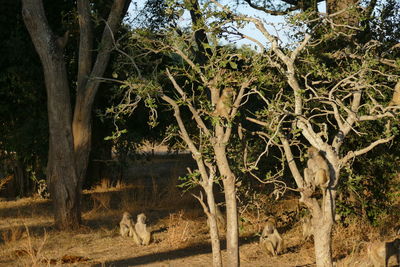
322 241
232 233
214 235
19 175
322 224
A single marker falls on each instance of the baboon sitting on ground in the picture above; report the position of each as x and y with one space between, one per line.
380 252
141 229
126 228
307 228
270 239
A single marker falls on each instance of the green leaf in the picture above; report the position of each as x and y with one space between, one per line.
233 65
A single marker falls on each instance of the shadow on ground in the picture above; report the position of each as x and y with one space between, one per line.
193 250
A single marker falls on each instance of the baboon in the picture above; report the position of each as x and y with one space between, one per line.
224 103
42 189
317 171
380 252
141 229
63 40
269 227
125 224
396 96
220 217
126 228
270 238
307 227
273 243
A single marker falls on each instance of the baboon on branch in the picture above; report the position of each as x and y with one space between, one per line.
317 171
224 104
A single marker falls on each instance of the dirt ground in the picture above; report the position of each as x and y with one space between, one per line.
178 225
179 237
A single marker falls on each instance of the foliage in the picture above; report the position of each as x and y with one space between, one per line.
368 188
23 131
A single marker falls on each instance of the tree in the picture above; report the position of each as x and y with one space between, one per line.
226 91
327 96
70 132
211 87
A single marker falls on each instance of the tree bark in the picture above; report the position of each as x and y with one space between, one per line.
212 218
322 240
207 180
229 181
69 141
61 174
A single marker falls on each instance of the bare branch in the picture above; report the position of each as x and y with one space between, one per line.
353 154
292 164
257 122
192 109
295 53
272 12
235 107
201 200
186 138
375 117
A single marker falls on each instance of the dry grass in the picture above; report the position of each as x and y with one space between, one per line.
350 239
33 248
14 233
5 180
182 231
178 225
175 231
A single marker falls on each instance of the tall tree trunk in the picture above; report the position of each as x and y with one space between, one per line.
88 85
61 174
322 242
69 144
232 233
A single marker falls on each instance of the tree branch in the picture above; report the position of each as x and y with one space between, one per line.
186 138
353 154
273 12
191 108
236 105
114 19
85 44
